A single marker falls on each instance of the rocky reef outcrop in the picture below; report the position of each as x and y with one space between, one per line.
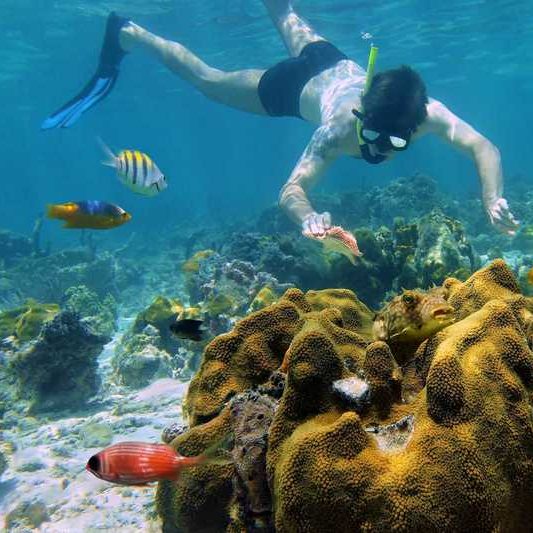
441 443
57 370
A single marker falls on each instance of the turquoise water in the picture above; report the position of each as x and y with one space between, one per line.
225 169
224 164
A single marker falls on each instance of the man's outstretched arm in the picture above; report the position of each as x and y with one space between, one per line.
318 155
486 157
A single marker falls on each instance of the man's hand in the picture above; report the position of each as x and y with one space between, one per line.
316 224
501 217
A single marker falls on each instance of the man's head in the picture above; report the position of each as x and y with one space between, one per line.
394 107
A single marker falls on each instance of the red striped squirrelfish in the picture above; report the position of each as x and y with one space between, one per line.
88 214
139 463
136 170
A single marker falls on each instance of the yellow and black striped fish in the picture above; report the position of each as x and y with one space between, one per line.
136 170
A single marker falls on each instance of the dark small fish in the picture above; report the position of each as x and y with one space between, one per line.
188 328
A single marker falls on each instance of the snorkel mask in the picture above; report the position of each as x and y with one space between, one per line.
382 140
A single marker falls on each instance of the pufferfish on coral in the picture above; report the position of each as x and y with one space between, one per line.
413 316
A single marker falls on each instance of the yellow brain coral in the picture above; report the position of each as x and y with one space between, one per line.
455 454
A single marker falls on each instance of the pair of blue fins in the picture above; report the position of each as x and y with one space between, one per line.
100 85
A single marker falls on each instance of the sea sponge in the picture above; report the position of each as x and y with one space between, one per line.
456 454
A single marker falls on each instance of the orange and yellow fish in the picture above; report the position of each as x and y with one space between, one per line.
136 170
530 276
139 463
88 214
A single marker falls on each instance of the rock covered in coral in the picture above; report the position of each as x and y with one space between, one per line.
160 314
172 431
251 416
288 259
373 273
443 249
407 197
48 277
99 313
59 369
139 358
483 357
229 288
250 356
14 247
28 514
455 456
3 463
148 350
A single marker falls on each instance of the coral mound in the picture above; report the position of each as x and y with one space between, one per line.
258 345
443 444
60 369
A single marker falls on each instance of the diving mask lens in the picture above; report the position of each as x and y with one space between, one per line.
374 137
398 142
369 135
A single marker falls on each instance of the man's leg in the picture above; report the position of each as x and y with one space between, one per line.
295 32
235 89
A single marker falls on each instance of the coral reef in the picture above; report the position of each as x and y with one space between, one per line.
443 249
13 248
139 358
27 515
59 369
455 454
414 254
99 313
148 350
233 363
229 288
251 416
290 260
160 314
407 197
48 277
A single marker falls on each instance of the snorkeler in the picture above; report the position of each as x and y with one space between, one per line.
319 84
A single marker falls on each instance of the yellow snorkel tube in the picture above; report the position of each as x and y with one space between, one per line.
372 56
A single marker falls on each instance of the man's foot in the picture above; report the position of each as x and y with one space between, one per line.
100 84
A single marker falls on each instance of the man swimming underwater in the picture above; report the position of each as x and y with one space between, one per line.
318 83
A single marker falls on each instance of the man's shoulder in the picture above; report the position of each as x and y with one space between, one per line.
438 116
437 111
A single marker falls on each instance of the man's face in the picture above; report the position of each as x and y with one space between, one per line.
378 140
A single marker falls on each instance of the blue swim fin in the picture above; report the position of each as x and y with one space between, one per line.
100 84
